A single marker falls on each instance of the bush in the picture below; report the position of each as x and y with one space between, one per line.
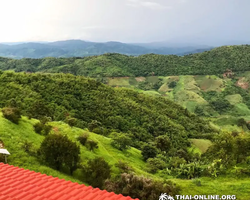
83 138
149 151
140 187
71 121
58 150
91 145
163 143
120 141
38 127
155 164
12 114
124 167
172 84
42 129
96 172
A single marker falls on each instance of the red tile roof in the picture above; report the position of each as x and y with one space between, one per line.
20 184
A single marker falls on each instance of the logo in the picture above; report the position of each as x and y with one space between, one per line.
164 196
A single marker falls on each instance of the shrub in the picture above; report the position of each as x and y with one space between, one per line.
155 164
172 84
12 114
38 127
42 129
96 172
91 145
58 150
120 141
124 167
71 121
83 138
163 143
140 187
149 151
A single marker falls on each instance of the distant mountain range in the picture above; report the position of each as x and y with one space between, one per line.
80 48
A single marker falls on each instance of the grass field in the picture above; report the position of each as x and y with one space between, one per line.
14 136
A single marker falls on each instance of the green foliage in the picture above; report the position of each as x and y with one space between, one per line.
221 105
155 164
27 146
215 61
163 143
93 125
91 145
83 138
230 148
149 151
12 114
172 84
120 141
41 128
141 187
124 167
71 121
103 109
96 172
58 151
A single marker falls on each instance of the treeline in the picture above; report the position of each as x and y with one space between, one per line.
215 61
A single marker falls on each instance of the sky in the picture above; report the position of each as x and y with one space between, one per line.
132 21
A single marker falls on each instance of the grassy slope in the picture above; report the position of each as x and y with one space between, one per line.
188 94
15 135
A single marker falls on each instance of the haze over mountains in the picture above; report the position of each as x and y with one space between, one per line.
80 48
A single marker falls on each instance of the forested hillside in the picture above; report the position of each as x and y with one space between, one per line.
162 140
215 61
62 96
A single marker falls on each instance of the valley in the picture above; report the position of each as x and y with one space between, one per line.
150 119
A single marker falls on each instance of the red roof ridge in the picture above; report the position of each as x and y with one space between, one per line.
18 183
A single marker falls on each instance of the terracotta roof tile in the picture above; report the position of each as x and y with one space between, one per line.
20 184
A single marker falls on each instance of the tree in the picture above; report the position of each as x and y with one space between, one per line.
58 150
140 187
163 143
94 124
83 138
121 141
39 110
91 145
149 151
96 172
12 114
172 84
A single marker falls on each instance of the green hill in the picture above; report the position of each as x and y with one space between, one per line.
166 141
225 100
16 136
213 62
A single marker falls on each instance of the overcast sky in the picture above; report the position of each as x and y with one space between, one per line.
199 21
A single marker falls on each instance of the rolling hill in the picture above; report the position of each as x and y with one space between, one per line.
214 62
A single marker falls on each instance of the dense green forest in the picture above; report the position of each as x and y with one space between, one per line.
215 61
62 97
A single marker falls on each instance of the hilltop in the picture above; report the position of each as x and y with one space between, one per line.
213 62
